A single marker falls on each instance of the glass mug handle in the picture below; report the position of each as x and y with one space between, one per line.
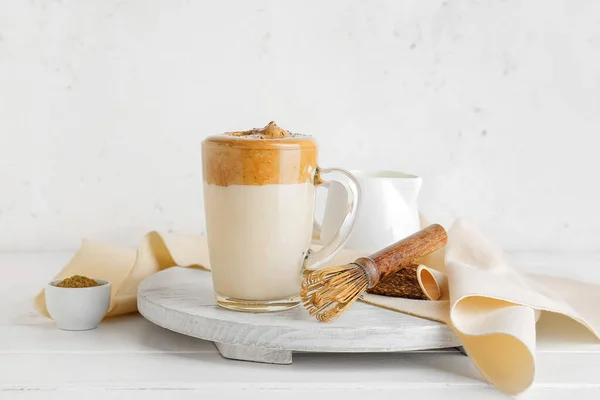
316 259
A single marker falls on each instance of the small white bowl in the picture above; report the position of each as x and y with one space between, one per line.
78 309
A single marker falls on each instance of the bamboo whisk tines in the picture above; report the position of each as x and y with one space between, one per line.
328 292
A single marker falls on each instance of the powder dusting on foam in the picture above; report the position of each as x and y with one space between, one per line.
271 131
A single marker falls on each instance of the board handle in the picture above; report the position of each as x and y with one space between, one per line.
402 253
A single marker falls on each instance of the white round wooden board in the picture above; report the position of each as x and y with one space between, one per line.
182 300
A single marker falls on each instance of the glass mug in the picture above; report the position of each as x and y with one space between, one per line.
259 197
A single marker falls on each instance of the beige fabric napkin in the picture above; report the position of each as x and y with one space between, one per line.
126 268
492 308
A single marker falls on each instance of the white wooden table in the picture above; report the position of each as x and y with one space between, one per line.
130 358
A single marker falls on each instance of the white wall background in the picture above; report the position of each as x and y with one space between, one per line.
103 105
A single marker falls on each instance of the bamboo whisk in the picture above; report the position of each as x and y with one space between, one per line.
328 292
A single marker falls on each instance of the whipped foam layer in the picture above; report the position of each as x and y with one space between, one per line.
269 155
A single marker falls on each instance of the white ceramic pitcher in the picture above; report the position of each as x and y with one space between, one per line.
388 211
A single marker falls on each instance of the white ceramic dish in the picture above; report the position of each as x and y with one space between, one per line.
78 309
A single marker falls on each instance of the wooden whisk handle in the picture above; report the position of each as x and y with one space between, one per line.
406 251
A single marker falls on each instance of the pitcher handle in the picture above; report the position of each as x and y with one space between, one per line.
316 259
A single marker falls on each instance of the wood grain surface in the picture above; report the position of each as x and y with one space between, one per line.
402 253
130 358
181 299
